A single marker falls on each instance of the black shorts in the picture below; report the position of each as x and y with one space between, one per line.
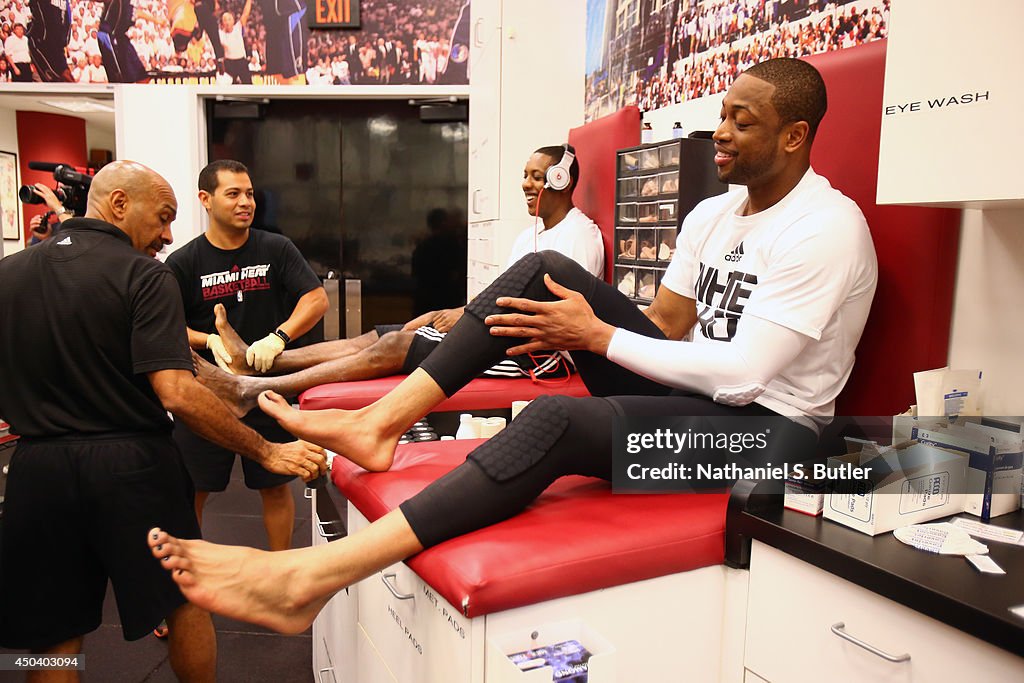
238 69
76 514
381 330
423 343
209 465
543 366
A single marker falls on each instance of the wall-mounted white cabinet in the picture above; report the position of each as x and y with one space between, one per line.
952 103
526 91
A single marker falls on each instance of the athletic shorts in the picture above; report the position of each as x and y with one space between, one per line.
76 515
209 465
546 365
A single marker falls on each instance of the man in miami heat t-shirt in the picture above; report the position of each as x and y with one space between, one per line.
259 284
273 299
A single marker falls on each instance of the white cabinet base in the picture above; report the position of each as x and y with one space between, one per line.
665 629
793 607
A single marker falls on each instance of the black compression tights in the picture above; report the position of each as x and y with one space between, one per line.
555 435
506 473
469 349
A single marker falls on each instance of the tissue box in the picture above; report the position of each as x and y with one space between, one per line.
910 484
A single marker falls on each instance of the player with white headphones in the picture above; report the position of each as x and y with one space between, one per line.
549 179
558 176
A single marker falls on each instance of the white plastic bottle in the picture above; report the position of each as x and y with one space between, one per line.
646 133
467 428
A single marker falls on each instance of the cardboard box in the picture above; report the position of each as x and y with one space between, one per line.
804 497
994 467
909 484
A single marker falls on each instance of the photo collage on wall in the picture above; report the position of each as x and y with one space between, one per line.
656 53
224 42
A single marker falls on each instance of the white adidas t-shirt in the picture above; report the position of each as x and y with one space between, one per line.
576 236
807 263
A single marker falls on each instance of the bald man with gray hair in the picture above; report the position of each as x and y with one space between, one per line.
94 357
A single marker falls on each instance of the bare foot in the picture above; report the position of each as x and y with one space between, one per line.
234 343
238 392
353 434
270 589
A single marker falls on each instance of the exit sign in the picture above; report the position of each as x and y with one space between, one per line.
334 14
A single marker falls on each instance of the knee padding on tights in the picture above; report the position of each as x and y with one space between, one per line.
512 282
535 431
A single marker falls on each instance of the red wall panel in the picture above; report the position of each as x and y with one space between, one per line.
47 137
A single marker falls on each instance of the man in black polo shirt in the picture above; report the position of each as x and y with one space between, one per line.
93 354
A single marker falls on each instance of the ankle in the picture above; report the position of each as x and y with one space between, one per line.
387 425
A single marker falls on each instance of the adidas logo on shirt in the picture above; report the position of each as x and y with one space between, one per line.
736 254
66 241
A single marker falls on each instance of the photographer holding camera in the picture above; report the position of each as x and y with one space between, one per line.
42 225
63 202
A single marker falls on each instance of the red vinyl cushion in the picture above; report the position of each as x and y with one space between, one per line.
483 393
909 326
596 143
575 538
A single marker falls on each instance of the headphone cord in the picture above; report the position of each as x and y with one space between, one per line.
560 364
536 217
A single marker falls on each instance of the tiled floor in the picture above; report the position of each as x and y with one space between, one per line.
246 653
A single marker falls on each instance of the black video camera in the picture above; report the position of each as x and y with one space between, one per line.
72 187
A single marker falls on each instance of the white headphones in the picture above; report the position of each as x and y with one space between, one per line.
558 177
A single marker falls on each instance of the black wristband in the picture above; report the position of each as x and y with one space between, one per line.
284 337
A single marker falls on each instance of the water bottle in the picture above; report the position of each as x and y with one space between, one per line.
467 428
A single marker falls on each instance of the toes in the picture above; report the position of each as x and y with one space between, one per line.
273 401
183 578
156 537
176 563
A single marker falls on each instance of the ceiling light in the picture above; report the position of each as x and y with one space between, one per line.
80 105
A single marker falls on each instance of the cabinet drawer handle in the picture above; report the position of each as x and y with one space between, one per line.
477 40
321 674
324 529
838 629
393 590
